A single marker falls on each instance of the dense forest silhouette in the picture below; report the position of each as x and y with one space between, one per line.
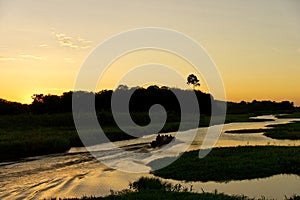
141 100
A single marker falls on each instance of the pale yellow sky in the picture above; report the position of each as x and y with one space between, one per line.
255 44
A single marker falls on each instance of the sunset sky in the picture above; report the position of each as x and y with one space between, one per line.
255 44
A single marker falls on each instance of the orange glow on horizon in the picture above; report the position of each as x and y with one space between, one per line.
255 49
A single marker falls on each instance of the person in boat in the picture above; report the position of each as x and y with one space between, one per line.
158 138
161 140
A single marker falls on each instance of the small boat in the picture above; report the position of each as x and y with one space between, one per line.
162 140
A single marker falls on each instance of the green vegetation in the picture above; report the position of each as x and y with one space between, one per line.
230 118
289 131
292 115
145 183
31 135
233 163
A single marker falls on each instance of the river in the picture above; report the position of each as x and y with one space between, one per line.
77 173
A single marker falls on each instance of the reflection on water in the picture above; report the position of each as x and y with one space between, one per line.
77 173
227 139
275 187
71 175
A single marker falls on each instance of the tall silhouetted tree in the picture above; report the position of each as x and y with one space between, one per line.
192 79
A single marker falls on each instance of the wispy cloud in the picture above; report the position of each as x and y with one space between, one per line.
32 57
72 42
44 45
21 58
2 58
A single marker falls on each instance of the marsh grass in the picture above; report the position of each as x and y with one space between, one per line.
233 163
289 131
289 116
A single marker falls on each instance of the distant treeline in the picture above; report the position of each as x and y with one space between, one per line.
141 100
8 107
260 107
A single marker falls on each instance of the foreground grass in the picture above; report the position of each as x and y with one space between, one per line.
233 163
152 194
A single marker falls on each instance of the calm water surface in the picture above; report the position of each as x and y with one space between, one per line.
77 173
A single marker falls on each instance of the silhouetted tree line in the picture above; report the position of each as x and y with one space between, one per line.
260 107
8 107
141 100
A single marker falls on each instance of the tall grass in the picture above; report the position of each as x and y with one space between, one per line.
31 135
